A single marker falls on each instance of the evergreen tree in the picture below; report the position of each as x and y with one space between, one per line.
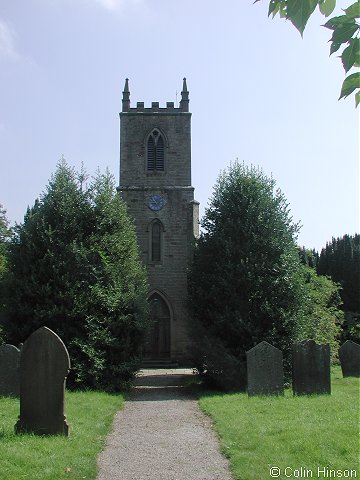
245 285
308 257
340 260
116 307
74 267
5 234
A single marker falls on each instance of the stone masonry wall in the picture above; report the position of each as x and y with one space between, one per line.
135 128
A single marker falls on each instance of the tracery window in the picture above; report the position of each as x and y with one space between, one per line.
155 152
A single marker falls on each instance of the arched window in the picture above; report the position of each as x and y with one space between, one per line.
155 241
155 152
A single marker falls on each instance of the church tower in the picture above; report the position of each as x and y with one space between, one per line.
155 183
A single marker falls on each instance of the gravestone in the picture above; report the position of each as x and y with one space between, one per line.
44 365
349 355
9 370
265 374
311 368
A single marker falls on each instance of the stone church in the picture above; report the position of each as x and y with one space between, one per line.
155 183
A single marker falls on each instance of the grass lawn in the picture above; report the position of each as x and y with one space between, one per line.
299 437
89 415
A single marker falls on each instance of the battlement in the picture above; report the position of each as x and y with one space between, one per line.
155 107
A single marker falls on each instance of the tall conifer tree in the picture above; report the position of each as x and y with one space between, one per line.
245 284
74 267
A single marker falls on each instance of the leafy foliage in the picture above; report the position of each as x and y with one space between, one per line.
245 285
74 267
345 34
320 316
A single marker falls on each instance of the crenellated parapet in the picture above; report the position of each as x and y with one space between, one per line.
155 106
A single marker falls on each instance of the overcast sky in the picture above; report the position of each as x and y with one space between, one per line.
258 92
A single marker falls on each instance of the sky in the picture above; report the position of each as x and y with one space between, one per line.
259 93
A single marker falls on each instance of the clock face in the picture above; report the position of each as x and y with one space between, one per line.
156 202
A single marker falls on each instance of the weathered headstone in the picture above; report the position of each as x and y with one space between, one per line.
349 355
311 368
44 365
9 370
265 374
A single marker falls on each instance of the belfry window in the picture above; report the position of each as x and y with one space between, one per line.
155 152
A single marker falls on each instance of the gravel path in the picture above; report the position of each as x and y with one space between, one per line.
162 435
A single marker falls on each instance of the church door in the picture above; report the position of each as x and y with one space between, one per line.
157 344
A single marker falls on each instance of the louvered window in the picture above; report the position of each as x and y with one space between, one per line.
155 152
159 164
151 154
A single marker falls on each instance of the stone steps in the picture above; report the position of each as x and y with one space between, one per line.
153 364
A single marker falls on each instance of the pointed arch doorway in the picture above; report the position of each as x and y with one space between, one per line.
157 344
